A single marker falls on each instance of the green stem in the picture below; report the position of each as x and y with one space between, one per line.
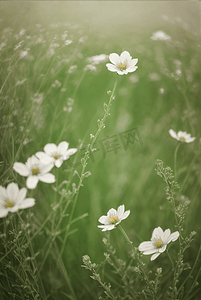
86 157
9 75
170 259
125 235
175 161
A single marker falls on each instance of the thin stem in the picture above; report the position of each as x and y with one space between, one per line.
9 75
170 259
175 161
125 235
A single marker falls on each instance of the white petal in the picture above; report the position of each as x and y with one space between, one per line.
50 148
144 246
32 181
166 236
173 237
120 211
181 133
173 134
21 169
48 178
132 63
106 227
58 162
155 256
114 58
120 72
125 215
125 56
3 212
69 152
157 233
148 252
62 147
46 168
21 195
103 220
112 68
112 212
131 69
162 249
28 202
44 157
3 194
189 140
12 191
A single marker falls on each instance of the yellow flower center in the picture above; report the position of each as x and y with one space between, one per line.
9 203
35 171
159 244
56 156
122 66
113 220
182 138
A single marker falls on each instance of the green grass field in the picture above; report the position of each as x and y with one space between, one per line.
48 96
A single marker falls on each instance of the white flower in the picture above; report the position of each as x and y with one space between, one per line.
12 199
113 218
34 170
182 136
160 36
23 54
56 154
97 59
158 243
122 64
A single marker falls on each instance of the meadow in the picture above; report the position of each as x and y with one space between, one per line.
55 87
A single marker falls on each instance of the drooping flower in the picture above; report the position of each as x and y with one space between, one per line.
122 64
56 154
158 243
160 36
182 136
113 218
34 170
12 199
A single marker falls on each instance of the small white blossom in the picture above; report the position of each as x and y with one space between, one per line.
90 67
158 243
56 154
12 199
113 218
182 136
122 64
23 54
97 59
68 42
34 170
160 36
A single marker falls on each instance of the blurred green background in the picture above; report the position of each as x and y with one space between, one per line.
155 98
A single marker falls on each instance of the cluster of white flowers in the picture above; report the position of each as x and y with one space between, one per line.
36 169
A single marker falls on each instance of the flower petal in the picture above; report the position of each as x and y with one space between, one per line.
157 233
133 62
189 140
173 134
69 152
21 195
12 191
114 58
106 227
28 202
48 178
162 249
103 220
173 237
144 246
155 256
125 215
58 162
125 56
151 251
45 168
131 69
44 157
21 169
32 181
166 236
50 148
3 212
62 147
120 211
112 68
